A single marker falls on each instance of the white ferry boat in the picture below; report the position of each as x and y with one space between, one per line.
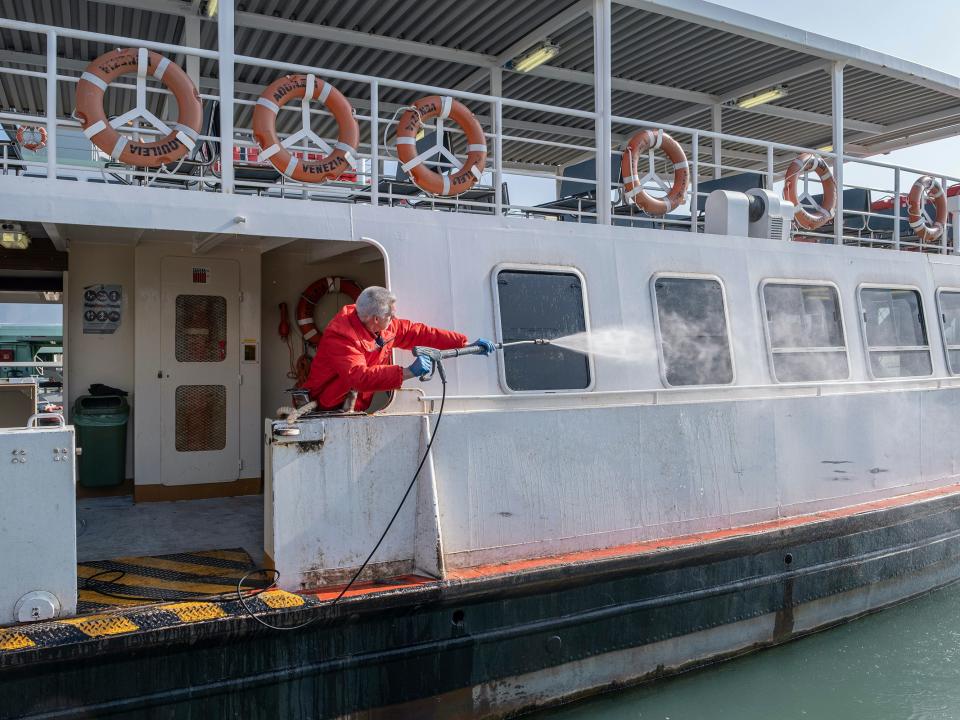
764 452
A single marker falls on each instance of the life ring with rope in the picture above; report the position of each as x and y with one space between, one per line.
341 157
37 137
641 143
822 214
311 296
454 181
179 137
927 189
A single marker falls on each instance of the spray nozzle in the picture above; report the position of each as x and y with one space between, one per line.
537 341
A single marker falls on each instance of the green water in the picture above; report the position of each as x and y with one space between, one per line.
900 664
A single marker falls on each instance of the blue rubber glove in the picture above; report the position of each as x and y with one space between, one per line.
488 347
421 366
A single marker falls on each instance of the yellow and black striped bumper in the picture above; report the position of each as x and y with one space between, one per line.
125 621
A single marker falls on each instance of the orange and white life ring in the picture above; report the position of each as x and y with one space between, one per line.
804 163
180 137
342 156
641 143
455 181
31 137
311 296
927 189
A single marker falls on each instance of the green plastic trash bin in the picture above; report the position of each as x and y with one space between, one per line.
101 425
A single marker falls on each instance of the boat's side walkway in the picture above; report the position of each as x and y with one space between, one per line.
286 608
86 627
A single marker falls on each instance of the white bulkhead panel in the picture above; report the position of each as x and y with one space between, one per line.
38 529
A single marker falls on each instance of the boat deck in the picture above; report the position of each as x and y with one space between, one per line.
239 516
114 526
114 530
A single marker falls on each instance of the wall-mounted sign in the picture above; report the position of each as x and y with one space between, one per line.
102 309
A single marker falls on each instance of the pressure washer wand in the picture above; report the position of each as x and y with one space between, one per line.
438 356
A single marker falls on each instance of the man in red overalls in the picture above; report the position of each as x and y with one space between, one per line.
355 351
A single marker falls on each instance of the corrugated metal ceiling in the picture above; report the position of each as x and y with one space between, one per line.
647 47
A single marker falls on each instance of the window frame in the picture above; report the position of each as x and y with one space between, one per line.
498 327
943 335
867 349
654 306
766 328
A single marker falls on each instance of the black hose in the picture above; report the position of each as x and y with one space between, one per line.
363 565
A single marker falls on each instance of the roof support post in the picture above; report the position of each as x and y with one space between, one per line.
496 124
602 73
51 104
225 37
836 76
191 38
716 124
375 143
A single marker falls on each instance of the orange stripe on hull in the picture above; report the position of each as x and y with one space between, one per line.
638 548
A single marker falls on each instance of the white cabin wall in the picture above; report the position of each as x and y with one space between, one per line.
106 359
147 282
285 275
441 268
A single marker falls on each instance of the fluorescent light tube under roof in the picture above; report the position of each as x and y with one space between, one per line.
762 98
536 57
12 237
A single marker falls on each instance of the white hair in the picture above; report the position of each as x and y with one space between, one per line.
375 302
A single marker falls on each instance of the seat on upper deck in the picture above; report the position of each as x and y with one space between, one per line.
741 182
881 222
856 206
400 189
577 200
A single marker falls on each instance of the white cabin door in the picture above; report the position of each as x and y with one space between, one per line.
199 370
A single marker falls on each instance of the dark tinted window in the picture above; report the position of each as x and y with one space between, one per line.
896 334
542 305
806 332
693 331
950 317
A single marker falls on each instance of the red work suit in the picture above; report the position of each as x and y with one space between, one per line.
348 357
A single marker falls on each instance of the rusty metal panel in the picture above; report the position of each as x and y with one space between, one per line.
201 328
201 417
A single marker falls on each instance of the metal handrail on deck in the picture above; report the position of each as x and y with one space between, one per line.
373 158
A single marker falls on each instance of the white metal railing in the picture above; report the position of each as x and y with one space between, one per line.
225 170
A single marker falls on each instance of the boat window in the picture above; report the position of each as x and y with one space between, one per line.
805 332
542 305
950 319
201 328
895 332
692 324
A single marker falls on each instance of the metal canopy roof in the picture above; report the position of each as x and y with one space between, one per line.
672 62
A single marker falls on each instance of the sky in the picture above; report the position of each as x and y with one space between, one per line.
30 314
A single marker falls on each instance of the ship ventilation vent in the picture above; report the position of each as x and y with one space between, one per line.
201 417
776 227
